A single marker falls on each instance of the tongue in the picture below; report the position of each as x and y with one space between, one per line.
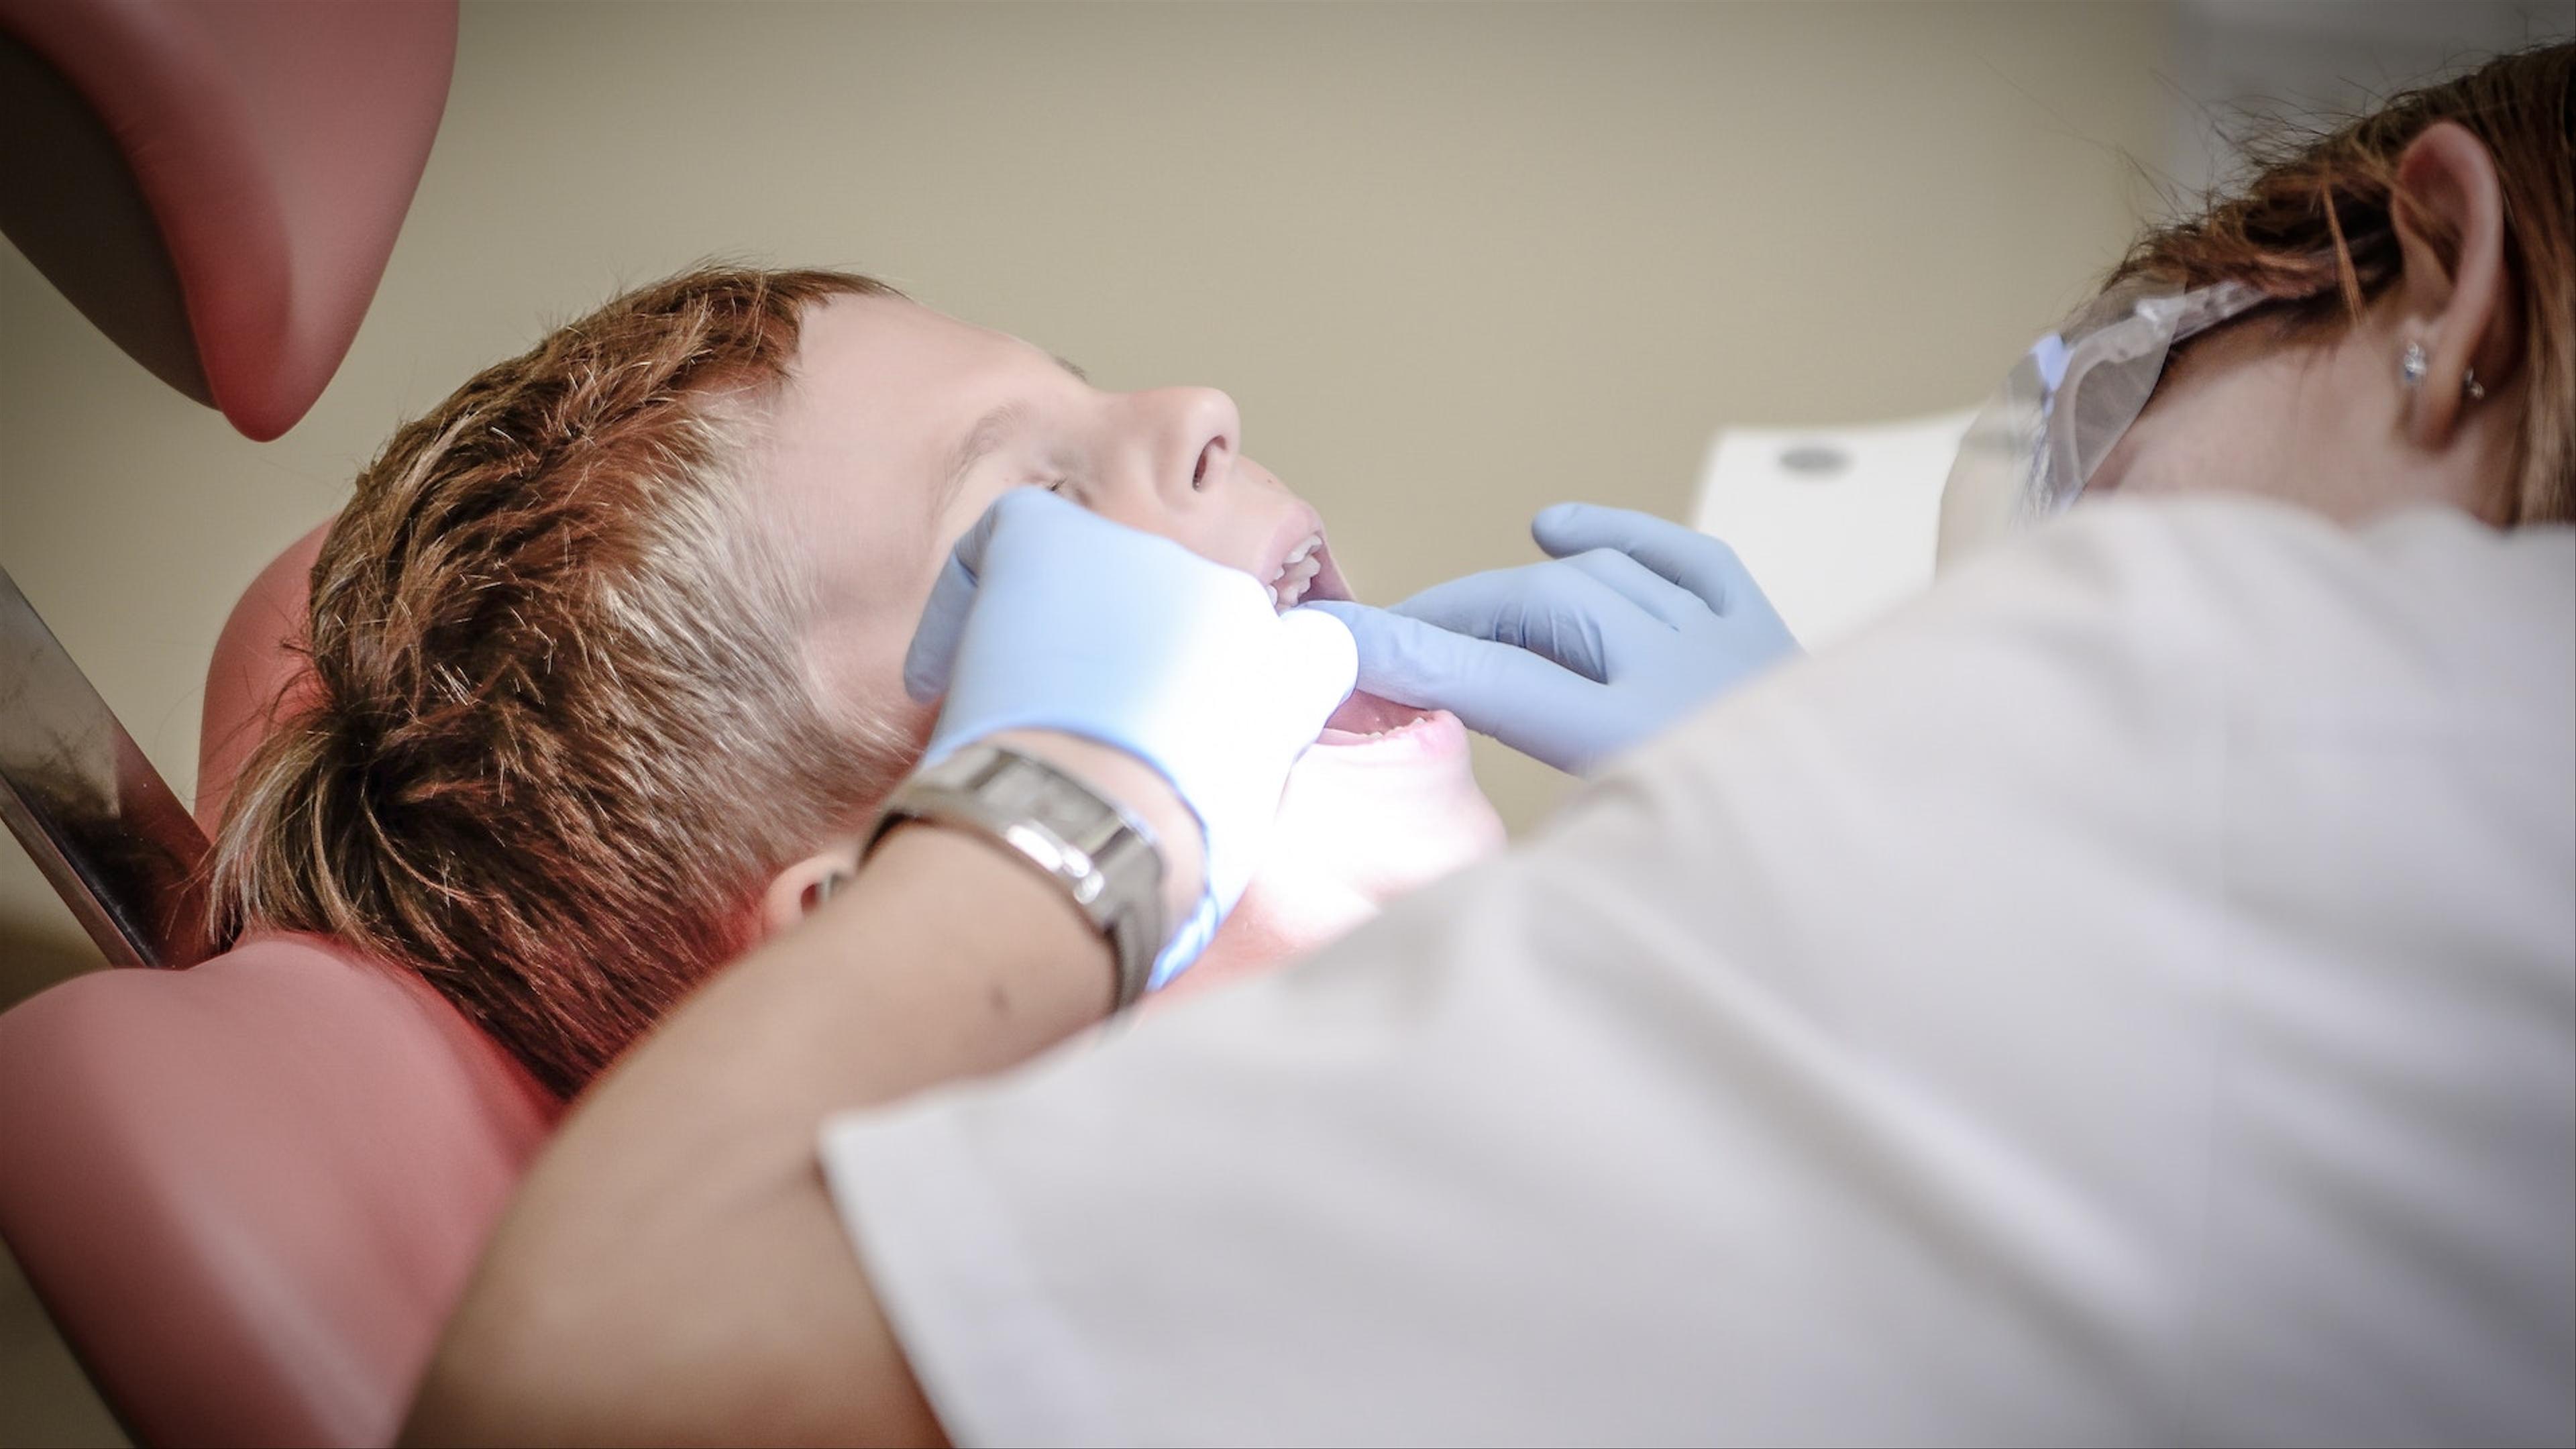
1365 714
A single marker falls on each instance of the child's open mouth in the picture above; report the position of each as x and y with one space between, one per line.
1306 572
1365 717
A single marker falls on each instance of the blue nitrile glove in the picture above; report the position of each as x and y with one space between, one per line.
1632 623
1050 617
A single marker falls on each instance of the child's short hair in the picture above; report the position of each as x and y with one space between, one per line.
559 731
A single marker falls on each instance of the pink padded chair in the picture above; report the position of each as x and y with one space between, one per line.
255 673
248 1191
217 183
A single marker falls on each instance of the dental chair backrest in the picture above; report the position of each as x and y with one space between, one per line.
217 185
257 674
250 1192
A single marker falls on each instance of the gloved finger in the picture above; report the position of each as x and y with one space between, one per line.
1688 557
1015 503
1495 689
1319 664
934 640
1560 614
952 594
1639 585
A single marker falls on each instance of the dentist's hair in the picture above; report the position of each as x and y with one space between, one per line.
2314 225
558 731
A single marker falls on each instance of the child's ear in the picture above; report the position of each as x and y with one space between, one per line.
799 890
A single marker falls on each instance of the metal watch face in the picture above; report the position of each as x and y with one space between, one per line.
1051 801
1066 811
1059 824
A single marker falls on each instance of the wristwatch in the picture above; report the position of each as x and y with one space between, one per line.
1105 858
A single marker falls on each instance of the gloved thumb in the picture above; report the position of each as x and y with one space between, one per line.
1381 641
934 641
952 595
1319 662
1683 555
1495 689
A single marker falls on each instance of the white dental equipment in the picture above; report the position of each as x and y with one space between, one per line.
1837 523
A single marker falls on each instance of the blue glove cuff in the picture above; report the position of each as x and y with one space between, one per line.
1186 944
1049 617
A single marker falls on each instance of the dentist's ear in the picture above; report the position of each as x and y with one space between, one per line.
2457 295
800 889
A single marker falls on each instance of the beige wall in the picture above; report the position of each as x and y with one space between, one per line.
1455 261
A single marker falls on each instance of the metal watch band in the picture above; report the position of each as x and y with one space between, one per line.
1104 858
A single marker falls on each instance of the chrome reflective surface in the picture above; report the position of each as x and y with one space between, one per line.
117 846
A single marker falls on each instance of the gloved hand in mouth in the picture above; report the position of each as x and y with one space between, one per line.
1047 617
1631 623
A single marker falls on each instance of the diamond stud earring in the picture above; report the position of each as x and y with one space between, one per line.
2411 364
2469 384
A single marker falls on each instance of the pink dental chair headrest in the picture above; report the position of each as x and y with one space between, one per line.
257 674
250 1192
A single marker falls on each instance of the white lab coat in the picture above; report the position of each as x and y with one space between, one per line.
2128 996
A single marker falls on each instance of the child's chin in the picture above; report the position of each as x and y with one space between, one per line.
1383 805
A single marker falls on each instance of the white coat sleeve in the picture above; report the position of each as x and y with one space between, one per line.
1868 1059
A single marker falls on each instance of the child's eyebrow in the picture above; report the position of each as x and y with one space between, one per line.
989 432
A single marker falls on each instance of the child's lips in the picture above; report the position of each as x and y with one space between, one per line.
1365 719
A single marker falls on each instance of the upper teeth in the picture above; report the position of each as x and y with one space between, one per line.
1288 592
1296 573
1298 555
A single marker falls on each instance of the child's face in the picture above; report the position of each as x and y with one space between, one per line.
900 425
